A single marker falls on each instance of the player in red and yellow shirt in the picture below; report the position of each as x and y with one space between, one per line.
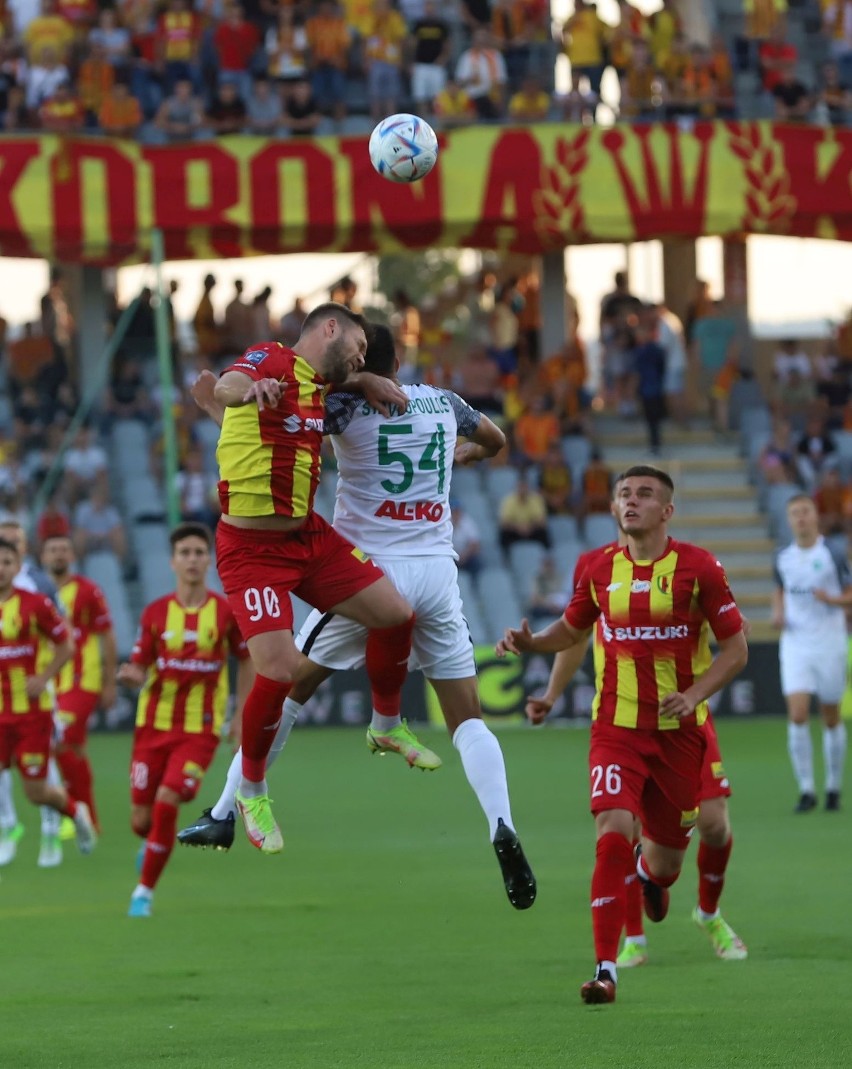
270 543
657 601
180 660
26 705
88 679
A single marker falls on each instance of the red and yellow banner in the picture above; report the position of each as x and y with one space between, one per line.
524 189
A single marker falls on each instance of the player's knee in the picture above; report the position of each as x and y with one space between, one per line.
35 791
714 832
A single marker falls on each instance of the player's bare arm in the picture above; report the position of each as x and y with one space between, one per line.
487 441
380 391
842 600
559 635
730 660
131 675
203 392
62 653
778 608
234 389
565 666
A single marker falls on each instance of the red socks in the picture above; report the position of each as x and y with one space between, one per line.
261 716
712 863
634 909
77 773
613 864
387 665
158 845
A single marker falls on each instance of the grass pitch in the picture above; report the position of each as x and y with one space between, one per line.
382 939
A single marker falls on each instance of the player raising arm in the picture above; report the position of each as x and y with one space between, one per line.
656 599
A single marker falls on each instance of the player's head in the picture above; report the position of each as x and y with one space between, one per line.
337 337
10 563
380 357
613 509
57 556
191 549
803 518
643 499
14 532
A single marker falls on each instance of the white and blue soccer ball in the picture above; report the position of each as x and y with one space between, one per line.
403 148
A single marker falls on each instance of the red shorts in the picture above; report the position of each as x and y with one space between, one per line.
653 774
170 759
714 782
74 708
26 741
261 569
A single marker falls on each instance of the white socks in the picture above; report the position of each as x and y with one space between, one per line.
482 760
51 819
834 754
234 782
383 724
8 813
801 755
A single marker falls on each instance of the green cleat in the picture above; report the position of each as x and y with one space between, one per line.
67 831
632 954
726 943
260 825
402 740
9 839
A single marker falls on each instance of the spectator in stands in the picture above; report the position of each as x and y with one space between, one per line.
302 115
631 28
642 89
329 41
95 79
85 464
700 306
555 481
467 541
476 14
531 103
429 42
816 452
477 380
97 525
120 113
723 78
204 322
788 358
453 106
712 338
794 397
663 27
548 595
236 334
16 114
835 393
127 397
57 320
523 516
197 490
585 38
833 499
291 322
383 59
535 430
763 18
236 43
597 486
264 113
287 47
563 375
405 323
837 22
834 99
178 43
54 521
48 34
793 102
776 53
510 33
260 321
649 367
698 85
227 111
618 319
181 116
504 330
62 113
44 78
113 38
481 71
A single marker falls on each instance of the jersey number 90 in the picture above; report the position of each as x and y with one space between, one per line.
262 603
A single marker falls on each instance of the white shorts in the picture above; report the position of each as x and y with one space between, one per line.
820 671
427 81
441 646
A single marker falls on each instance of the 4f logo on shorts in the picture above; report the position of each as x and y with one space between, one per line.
688 817
360 555
193 771
32 763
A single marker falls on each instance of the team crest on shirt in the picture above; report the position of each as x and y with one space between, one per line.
663 584
256 357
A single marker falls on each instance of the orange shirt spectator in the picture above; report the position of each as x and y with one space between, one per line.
46 33
555 480
328 37
762 16
62 113
632 27
597 486
535 430
508 22
95 80
120 114
179 33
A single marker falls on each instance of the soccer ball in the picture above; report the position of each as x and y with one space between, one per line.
403 148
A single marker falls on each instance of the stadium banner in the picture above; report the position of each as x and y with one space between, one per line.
517 189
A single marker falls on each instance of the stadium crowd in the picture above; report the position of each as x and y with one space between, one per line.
175 71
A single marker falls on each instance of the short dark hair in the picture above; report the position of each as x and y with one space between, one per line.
190 529
650 472
800 497
10 546
333 310
380 357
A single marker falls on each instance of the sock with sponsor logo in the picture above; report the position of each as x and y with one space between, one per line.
225 805
261 717
8 813
77 773
483 764
800 748
159 844
834 754
613 862
634 928
388 649
712 863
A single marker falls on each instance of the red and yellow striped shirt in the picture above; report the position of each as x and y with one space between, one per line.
269 461
656 618
26 620
88 614
186 651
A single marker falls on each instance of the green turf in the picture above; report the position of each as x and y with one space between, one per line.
382 939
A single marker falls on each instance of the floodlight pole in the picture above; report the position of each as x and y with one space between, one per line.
167 383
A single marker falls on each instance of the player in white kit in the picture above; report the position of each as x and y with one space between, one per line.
813 585
393 503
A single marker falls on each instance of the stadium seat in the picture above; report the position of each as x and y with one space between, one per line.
130 442
143 498
525 559
105 570
753 422
155 574
500 604
577 452
563 529
465 481
499 482
472 612
776 505
598 529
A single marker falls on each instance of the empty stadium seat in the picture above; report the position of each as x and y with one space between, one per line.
563 529
598 529
500 604
525 560
499 482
